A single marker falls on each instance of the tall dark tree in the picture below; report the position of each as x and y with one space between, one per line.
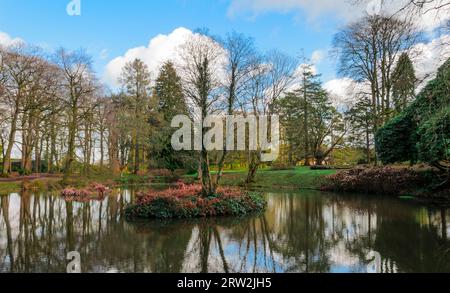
361 133
168 92
404 83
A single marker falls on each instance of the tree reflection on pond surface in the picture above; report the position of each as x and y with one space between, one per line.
300 232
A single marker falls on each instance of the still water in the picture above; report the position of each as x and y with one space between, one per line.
300 232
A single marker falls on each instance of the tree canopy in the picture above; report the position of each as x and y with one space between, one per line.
422 131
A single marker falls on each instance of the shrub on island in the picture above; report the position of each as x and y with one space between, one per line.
93 192
185 201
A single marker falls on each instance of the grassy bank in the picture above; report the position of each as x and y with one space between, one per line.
299 178
10 187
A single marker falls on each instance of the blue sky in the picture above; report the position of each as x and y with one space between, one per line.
109 28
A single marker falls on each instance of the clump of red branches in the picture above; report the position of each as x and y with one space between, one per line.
186 201
95 191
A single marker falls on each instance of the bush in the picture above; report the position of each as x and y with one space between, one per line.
435 143
395 142
379 180
185 201
422 131
94 192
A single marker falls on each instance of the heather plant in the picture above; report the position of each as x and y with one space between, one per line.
380 180
185 201
95 191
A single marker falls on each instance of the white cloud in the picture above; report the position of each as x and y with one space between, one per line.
344 10
427 58
317 56
7 41
343 91
160 49
314 8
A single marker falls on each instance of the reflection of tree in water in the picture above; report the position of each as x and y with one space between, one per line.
415 246
306 232
301 241
409 239
41 230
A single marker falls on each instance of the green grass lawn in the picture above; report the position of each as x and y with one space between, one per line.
299 178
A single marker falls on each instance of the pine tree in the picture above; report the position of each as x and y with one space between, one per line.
404 83
312 126
169 93
171 102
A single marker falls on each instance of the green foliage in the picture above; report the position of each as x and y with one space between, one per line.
170 102
131 179
422 131
434 144
395 142
404 83
308 118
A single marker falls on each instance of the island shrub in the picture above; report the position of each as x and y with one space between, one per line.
185 201
95 191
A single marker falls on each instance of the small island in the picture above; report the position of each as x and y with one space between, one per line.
187 201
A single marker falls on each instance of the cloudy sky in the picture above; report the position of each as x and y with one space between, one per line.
114 32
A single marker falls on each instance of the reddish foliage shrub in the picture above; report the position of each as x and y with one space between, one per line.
377 180
185 201
95 191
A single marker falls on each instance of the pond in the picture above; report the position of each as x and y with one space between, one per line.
300 232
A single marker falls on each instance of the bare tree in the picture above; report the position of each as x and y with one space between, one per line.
368 50
202 59
271 76
135 79
241 56
19 67
78 84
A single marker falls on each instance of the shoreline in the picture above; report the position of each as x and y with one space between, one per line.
298 179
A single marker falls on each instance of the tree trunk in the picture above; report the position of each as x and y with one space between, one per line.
207 187
71 142
102 154
7 159
253 166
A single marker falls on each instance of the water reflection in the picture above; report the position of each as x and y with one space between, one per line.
303 232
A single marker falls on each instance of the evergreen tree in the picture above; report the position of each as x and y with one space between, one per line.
404 83
312 125
169 93
361 134
171 102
